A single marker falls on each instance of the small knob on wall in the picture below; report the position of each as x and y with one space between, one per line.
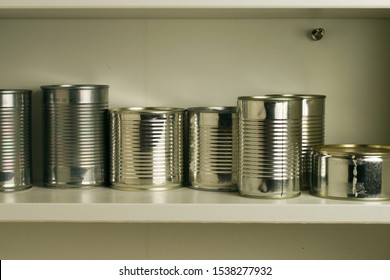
317 34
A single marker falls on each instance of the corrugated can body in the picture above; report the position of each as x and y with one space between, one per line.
75 121
350 171
213 148
146 148
15 139
269 146
313 130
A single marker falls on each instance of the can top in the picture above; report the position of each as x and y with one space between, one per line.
269 98
344 150
150 110
15 91
75 86
300 95
14 97
212 109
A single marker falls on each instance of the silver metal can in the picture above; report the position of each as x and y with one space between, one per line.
269 146
213 148
313 130
350 171
15 139
146 148
75 125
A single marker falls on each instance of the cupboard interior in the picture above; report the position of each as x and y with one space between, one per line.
204 62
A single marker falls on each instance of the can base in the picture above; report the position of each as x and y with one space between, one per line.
72 186
214 189
275 196
14 188
124 187
351 198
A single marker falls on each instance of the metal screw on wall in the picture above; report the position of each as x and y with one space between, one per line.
317 34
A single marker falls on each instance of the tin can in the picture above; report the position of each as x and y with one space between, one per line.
269 146
313 131
350 171
75 125
146 148
213 148
15 139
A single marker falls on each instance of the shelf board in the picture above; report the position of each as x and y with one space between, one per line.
195 9
182 205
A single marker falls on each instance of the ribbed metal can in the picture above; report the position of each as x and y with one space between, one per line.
269 146
213 148
146 148
75 125
313 131
15 139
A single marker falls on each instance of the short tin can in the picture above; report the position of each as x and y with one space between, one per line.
351 171
146 148
75 135
213 148
313 131
15 139
269 146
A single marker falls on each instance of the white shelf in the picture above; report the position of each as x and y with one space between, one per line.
195 9
181 206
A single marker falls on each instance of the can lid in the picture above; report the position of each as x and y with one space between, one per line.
213 109
352 149
301 95
75 86
151 110
15 91
270 98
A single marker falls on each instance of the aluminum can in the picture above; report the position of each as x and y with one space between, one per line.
146 148
351 171
75 125
15 139
313 131
213 148
270 144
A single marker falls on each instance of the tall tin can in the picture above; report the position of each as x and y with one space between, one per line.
269 146
146 148
75 122
213 148
15 139
313 131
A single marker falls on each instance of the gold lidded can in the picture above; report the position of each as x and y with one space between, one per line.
351 171
269 146
213 148
146 148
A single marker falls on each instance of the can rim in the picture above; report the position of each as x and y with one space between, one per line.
15 91
303 95
75 86
213 109
151 110
352 149
269 97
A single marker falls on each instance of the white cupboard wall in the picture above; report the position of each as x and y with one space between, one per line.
187 62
